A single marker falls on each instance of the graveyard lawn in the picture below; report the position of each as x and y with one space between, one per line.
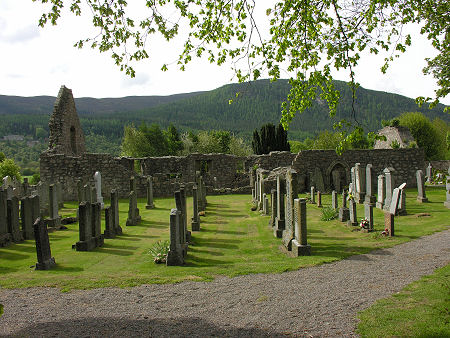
232 240
419 310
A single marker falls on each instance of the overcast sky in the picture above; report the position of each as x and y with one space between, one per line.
36 61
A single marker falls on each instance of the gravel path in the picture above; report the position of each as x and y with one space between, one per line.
317 301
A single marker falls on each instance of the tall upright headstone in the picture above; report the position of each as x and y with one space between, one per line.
150 204
352 186
393 207
26 215
389 223
54 220
291 194
352 211
279 220
80 191
195 222
115 212
390 183
109 226
447 189
421 195
360 184
261 192
344 213
300 246
86 241
175 256
368 214
133 211
273 209
402 200
184 212
5 236
313 195
266 205
96 219
381 192
429 173
183 230
98 188
45 261
334 200
370 196
13 219
319 199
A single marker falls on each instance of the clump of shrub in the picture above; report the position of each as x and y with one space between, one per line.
328 214
395 144
159 251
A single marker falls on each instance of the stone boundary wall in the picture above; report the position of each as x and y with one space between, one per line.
311 163
222 173
440 165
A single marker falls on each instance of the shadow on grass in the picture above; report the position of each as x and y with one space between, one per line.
197 261
213 253
125 247
209 221
114 251
64 268
13 256
23 247
224 231
339 251
130 237
7 270
217 243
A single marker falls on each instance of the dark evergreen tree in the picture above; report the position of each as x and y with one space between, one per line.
281 139
270 139
256 143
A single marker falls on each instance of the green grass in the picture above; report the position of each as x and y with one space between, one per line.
233 240
419 310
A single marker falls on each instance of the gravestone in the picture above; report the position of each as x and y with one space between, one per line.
421 195
26 189
183 230
59 194
280 219
201 191
109 226
266 205
5 236
98 188
7 182
370 196
87 193
319 199
13 219
447 189
80 192
176 253
86 241
45 261
150 204
381 192
429 173
402 200
389 223
334 200
368 214
96 219
26 215
393 207
360 184
273 205
291 194
54 220
253 195
313 195
390 183
300 246
133 211
261 192
195 223
115 212
344 213
353 221
352 185
184 212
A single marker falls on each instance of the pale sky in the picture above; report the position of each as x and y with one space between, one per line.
37 61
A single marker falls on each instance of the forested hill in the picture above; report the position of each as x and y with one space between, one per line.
257 103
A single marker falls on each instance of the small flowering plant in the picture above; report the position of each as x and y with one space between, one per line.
350 196
385 232
364 224
159 251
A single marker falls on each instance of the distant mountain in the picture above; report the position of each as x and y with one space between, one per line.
257 103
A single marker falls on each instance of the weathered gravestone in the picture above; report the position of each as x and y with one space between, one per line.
109 226
389 223
26 214
176 253
54 220
133 188
150 204
266 205
390 183
319 199
393 207
429 173
280 219
352 185
195 222
115 212
133 211
334 200
402 200
45 261
98 188
96 219
313 195
291 194
80 191
273 209
447 189
360 184
184 212
300 246
370 197
381 192
421 195
344 213
5 236
183 229
261 192
86 241
13 219
59 194
353 221
368 214
25 187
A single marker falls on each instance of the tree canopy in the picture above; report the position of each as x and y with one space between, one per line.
305 38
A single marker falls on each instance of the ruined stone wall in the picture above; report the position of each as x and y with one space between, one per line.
440 165
312 163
